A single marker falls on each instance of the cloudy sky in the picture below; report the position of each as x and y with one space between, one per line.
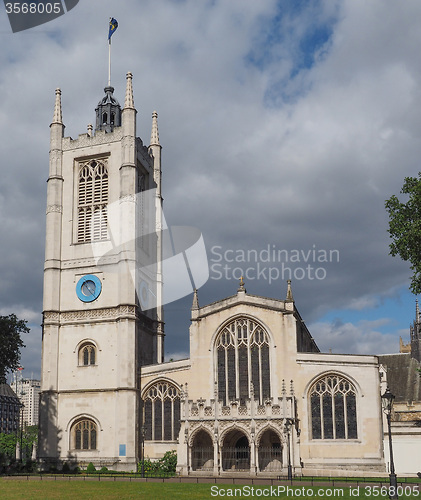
284 124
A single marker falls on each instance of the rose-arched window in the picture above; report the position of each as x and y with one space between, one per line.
333 408
242 361
162 412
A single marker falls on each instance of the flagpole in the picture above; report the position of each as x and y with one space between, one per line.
109 62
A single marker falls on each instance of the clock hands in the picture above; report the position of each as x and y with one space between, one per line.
89 288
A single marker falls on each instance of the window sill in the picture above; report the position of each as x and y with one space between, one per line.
334 441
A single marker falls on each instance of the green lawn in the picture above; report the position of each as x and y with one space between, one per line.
119 490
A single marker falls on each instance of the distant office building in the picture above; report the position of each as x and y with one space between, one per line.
28 394
9 410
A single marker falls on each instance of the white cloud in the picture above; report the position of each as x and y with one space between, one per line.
360 338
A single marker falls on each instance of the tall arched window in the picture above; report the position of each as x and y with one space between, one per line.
333 408
92 201
87 354
242 356
84 435
162 412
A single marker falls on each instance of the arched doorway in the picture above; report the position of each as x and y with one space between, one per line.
202 452
270 452
236 452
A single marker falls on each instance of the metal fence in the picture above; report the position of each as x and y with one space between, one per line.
235 459
202 458
270 459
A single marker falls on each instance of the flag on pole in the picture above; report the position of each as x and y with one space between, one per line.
113 27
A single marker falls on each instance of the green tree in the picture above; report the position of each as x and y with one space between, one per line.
8 444
29 438
405 228
11 343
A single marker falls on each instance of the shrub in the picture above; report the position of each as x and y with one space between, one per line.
103 470
165 466
168 462
66 468
91 468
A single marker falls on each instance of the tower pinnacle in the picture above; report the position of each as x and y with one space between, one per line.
195 304
154 132
289 291
57 117
129 101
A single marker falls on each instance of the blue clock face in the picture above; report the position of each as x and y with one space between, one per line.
88 288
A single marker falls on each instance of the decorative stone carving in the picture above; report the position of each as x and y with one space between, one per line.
208 411
95 314
84 140
54 208
242 410
51 317
261 410
226 411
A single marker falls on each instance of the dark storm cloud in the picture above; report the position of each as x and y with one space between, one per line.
246 170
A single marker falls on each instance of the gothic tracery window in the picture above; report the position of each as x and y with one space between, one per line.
242 358
162 412
333 408
92 201
84 434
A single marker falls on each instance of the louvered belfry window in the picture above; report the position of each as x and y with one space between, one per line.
92 201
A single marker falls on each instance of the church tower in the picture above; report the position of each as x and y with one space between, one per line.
102 308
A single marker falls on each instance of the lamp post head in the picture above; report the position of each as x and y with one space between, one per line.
387 401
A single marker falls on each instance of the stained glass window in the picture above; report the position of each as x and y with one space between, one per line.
242 356
333 408
84 435
162 412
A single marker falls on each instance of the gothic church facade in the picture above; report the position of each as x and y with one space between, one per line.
255 397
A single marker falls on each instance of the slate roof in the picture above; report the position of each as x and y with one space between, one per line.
402 376
6 390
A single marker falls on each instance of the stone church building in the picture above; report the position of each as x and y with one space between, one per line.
256 395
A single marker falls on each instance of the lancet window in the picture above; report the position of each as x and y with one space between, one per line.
162 412
92 201
333 408
242 361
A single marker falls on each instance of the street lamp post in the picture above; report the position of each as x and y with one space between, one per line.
288 426
21 431
387 403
